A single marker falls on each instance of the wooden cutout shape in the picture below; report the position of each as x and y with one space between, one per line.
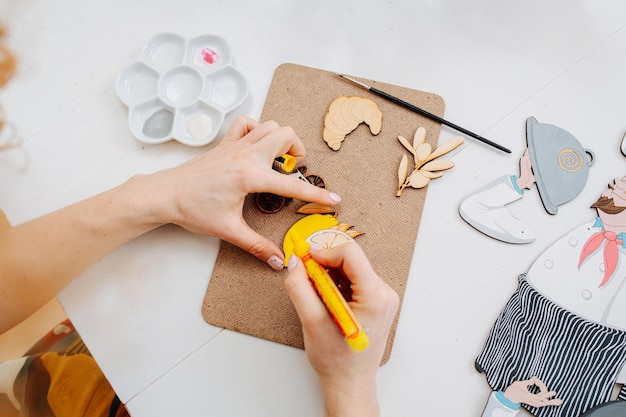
345 114
564 329
554 161
426 167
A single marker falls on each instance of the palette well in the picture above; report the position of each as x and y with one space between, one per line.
181 89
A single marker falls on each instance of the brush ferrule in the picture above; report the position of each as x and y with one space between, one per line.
355 81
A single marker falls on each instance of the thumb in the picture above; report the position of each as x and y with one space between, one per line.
257 245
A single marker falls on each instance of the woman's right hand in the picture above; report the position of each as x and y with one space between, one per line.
348 378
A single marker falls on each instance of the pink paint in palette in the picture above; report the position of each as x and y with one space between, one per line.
209 56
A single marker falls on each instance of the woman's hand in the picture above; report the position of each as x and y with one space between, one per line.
348 379
206 194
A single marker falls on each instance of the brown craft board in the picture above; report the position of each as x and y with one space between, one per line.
246 295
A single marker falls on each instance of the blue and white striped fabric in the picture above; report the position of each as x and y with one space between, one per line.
575 357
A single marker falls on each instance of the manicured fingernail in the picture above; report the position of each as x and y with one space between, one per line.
314 246
293 261
276 263
334 197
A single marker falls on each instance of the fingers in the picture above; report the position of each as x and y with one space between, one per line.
308 305
534 381
539 400
266 141
543 397
350 259
369 291
254 146
519 392
283 139
240 128
275 138
291 186
257 245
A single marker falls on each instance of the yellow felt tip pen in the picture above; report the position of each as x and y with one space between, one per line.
340 311
285 162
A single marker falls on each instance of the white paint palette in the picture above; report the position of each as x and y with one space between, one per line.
181 89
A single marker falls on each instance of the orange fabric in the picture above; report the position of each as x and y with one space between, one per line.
57 377
77 386
4 222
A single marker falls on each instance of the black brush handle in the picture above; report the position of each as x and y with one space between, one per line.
436 118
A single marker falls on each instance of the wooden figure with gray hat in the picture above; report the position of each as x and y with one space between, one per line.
554 160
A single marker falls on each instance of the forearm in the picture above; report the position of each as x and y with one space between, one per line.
40 257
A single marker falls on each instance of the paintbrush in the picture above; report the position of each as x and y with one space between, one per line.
424 113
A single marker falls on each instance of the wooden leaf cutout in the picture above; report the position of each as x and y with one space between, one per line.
431 175
446 147
419 137
428 164
406 144
402 170
314 208
423 151
418 180
343 227
438 165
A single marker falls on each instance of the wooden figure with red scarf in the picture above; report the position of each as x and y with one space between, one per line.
558 347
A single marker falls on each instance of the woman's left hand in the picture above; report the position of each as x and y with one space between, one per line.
206 194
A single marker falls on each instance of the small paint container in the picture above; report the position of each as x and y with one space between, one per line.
285 163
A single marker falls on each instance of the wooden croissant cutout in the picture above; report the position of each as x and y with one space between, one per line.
345 114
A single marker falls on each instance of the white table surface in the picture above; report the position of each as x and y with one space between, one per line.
494 62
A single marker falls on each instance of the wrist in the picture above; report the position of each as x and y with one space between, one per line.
351 399
143 205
